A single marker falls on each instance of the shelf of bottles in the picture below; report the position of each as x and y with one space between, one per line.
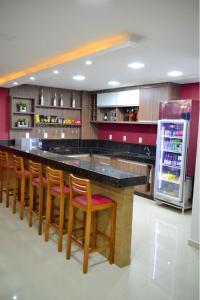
171 159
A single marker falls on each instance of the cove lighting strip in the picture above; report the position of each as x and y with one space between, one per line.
84 50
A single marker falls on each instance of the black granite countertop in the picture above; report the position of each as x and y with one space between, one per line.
118 154
100 173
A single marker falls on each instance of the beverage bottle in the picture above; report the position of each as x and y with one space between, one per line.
41 98
165 159
170 160
54 100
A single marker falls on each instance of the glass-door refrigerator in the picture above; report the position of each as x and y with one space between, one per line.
171 184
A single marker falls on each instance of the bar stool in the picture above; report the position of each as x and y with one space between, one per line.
38 183
22 175
56 188
81 197
5 166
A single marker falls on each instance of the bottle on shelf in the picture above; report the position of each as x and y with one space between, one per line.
61 100
41 98
73 102
105 118
54 100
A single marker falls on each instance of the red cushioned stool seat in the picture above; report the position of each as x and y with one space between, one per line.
26 173
97 199
36 181
56 189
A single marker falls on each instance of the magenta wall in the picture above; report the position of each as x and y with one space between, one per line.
191 91
132 133
4 113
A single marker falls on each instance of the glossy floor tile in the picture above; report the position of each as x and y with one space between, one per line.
163 265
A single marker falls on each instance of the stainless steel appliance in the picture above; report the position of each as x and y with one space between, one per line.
28 144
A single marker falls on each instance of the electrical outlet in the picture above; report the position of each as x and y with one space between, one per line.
110 137
140 140
62 135
27 135
45 135
124 138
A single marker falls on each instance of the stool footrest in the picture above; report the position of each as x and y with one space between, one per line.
77 243
99 249
103 235
78 229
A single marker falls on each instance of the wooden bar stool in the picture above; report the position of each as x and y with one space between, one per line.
56 188
20 174
81 197
6 166
38 183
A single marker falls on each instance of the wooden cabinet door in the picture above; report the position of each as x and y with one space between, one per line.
135 167
150 98
101 159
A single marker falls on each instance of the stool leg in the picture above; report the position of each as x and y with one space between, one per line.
22 198
31 195
94 229
40 213
69 233
1 185
16 183
87 241
7 186
112 238
48 215
61 223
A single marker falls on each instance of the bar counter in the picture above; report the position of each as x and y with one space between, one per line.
106 180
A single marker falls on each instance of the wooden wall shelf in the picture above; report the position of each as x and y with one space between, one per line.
58 107
22 128
126 122
23 113
56 124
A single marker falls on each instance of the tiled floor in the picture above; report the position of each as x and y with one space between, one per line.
163 265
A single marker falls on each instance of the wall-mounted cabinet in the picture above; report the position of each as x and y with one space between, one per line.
143 110
119 99
150 98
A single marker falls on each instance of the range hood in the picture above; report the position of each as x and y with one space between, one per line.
119 99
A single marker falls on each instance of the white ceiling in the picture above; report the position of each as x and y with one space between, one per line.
32 31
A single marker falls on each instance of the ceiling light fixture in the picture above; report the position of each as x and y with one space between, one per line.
78 77
56 72
88 62
113 82
136 65
83 51
174 73
15 83
32 78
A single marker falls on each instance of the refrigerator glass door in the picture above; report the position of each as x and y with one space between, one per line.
170 160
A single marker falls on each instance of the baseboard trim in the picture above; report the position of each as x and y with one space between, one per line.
194 244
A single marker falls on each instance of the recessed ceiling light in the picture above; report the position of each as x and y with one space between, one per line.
32 78
113 82
78 77
56 72
136 65
14 297
175 73
88 62
15 83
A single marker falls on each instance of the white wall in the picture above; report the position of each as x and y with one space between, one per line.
194 235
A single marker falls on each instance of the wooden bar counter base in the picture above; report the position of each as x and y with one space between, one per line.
106 180
124 199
